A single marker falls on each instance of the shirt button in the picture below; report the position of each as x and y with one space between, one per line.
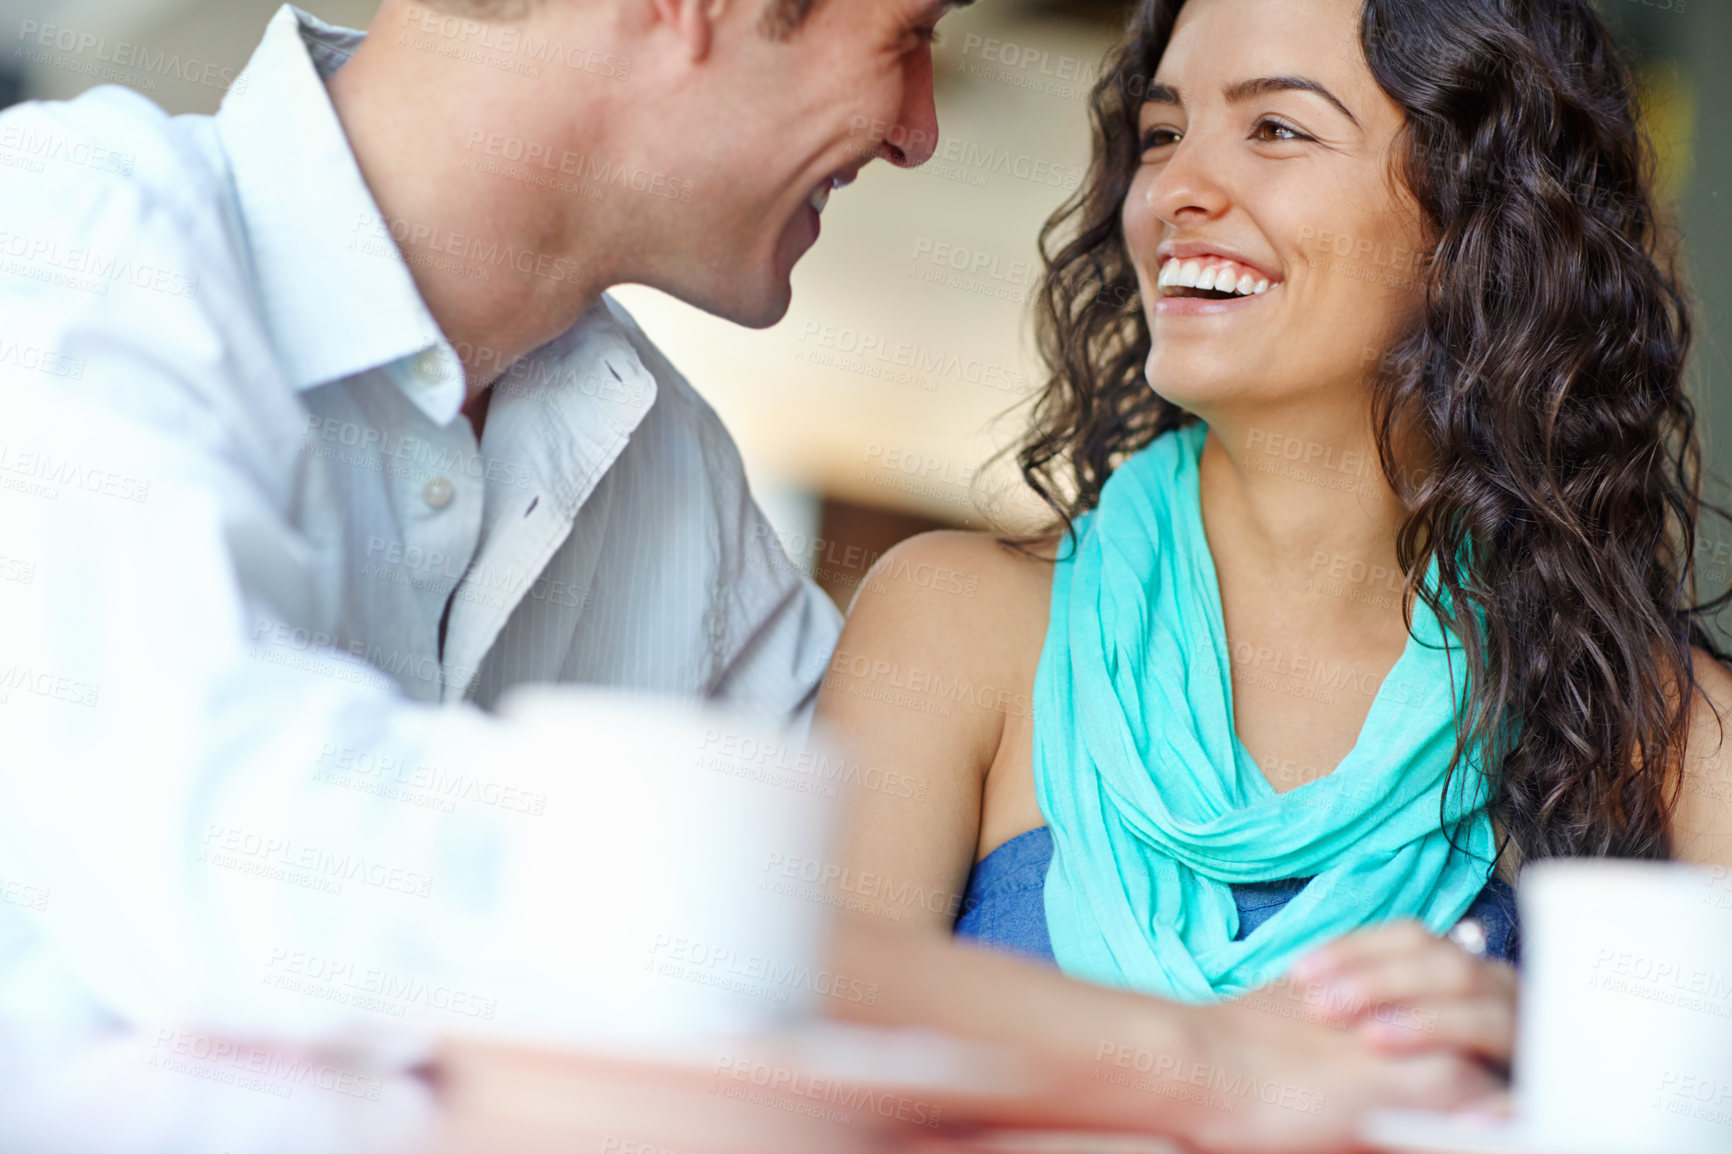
429 366
438 492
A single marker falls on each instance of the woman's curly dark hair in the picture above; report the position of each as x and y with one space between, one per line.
1545 380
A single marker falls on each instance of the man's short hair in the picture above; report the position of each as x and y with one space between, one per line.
781 17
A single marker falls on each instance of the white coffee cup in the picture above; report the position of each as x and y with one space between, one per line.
684 895
1626 1008
1625 1023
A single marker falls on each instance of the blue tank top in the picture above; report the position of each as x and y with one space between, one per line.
1005 903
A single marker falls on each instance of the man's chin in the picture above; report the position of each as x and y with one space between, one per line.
760 310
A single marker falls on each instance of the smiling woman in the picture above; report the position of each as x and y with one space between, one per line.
1354 287
1526 372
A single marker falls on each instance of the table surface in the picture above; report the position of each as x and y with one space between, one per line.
191 1094
503 1101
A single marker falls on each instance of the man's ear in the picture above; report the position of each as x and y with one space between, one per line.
693 21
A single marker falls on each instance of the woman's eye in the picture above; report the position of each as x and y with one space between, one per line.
1160 138
1274 130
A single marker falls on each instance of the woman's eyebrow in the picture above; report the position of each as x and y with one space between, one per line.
1263 85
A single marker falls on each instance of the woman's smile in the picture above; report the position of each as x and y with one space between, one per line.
1199 278
1208 286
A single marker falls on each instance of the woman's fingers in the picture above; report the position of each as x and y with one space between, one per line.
1442 971
1408 992
1395 939
1484 1025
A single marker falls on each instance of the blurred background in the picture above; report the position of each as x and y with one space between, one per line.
871 412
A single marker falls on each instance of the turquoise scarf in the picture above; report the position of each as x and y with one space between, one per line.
1155 806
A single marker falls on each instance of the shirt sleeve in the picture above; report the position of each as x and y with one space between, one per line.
787 653
179 746
783 628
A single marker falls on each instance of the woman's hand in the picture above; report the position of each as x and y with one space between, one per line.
1405 990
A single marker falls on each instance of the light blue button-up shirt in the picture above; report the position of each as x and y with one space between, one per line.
236 497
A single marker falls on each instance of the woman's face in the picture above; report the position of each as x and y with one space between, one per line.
1267 176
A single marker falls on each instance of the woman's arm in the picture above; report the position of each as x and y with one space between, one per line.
933 669
930 679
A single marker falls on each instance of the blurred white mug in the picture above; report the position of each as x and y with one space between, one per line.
689 889
1626 1008
1624 1041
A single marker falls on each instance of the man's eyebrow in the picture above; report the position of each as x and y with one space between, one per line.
1263 85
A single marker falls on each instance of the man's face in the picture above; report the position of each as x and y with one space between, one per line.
767 129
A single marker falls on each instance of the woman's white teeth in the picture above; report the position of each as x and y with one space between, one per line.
1213 278
820 197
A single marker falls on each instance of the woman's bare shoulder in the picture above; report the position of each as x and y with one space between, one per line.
939 648
958 588
943 625
1702 823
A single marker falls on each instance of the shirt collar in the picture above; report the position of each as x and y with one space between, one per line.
337 297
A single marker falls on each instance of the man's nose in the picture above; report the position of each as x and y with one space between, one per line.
914 139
